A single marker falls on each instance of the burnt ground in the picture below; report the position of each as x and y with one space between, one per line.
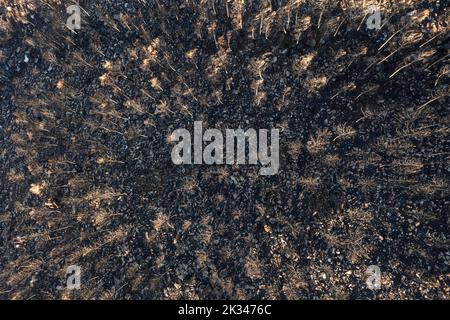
87 179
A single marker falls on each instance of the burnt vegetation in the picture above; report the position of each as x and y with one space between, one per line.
86 175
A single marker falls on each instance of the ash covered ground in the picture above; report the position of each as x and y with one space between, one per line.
86 176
